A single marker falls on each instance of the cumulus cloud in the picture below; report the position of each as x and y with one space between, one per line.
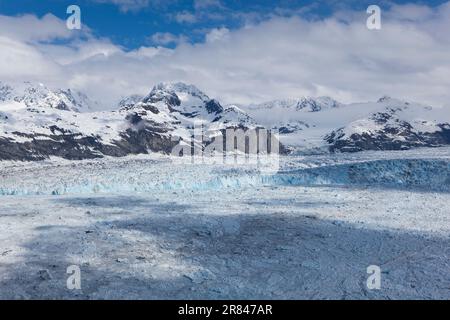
29 28
280 57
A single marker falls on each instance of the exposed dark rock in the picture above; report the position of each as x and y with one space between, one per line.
150 108
213 106
399 137
142 137
169 98
134 118
189 114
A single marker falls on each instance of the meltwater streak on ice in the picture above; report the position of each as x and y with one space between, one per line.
423 174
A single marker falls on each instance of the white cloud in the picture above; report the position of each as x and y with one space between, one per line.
22 61
281 57
79 51
29 28
217 34
185 17
411 12
167 38
149 52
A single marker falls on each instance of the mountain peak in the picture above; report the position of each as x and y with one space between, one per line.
176 94
306 103
317 104
180 88
384 98
129 101
37 95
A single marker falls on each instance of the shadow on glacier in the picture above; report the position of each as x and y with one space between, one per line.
124 203
234 256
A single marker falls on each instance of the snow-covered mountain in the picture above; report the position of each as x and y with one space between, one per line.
388 124
289 116
393 125
37 95
305 104
190 106
129 101
39 123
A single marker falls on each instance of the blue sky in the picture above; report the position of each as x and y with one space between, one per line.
131 23
236 51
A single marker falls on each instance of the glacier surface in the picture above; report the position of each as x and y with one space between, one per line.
155 227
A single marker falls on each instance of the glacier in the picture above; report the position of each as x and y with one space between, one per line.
156 227
172 173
